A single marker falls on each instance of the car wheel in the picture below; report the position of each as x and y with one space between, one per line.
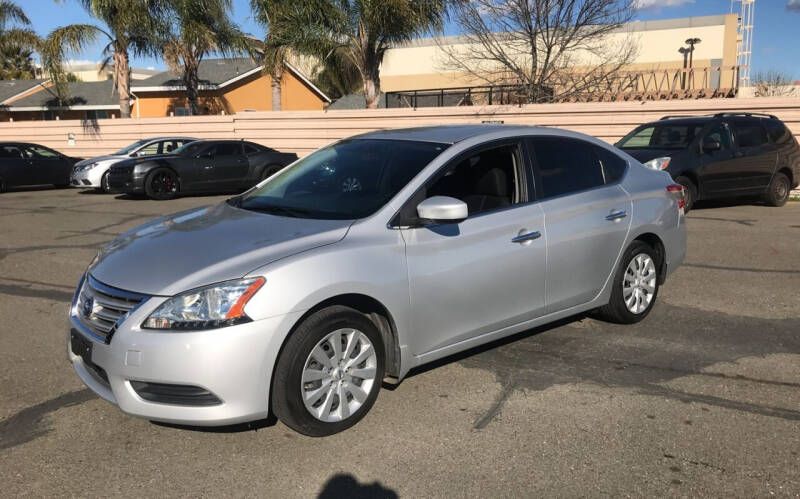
778 190
635 286
329 372
270 170
2 185
161 183
104 183
689 192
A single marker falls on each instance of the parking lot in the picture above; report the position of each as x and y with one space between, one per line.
701 398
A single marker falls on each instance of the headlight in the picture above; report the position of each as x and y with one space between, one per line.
658 163
86 167
218 305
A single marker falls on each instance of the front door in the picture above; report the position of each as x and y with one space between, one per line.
14 168
49 167
226 168
587 217
717 173
482 274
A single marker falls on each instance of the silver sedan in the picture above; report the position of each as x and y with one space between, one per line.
363 260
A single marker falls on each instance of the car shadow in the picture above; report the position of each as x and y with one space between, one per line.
234 428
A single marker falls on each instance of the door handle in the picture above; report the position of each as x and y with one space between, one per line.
529 236
616 215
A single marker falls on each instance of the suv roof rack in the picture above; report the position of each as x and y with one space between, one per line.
763 115
674 116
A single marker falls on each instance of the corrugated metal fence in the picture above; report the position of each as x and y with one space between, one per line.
304 131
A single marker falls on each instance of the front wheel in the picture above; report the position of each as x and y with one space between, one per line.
161 183
329 372
104 183
635 286
778 190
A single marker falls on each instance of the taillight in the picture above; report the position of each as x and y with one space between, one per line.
677 191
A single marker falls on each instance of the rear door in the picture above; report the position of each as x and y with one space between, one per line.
587 216
718 171
755 157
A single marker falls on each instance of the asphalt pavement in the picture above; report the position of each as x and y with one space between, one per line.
701 398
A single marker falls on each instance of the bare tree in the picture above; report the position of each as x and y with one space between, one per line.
552 50
773 83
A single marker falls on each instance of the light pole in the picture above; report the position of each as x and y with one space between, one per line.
691 42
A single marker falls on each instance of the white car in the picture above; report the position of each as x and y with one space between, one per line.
92 172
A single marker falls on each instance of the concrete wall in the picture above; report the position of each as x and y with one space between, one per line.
305 131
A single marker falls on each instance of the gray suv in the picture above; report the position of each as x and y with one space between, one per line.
363 260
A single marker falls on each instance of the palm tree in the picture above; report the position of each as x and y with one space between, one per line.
130 27
16 43
194 29
273 14
362 29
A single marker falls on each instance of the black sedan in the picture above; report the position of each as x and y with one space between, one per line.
202 166
31 164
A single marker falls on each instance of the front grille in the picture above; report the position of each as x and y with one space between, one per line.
86 182
101 308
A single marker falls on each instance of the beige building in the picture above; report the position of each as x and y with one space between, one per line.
424 64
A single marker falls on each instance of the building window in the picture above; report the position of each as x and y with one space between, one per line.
96 114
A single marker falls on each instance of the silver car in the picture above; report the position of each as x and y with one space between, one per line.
93 172
364 260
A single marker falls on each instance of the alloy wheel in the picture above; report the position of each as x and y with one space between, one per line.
338 375
639 283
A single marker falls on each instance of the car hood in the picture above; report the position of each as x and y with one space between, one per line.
206 245
97 159
644 155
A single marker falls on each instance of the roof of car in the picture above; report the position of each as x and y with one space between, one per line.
446 134
170 137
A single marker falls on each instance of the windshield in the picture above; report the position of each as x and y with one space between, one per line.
127 150
190 149
666 136
348 180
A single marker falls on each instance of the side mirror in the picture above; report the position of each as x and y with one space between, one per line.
711 146
443 209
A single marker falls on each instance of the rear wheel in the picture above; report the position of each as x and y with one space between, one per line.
689 192
269 171
329 372
778 190
161 183
635 285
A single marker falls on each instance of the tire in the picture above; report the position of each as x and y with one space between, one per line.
269 171
104 187
293 399
689 192
779 190
617 310
2 185
161 184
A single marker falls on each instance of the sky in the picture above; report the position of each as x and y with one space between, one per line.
776 37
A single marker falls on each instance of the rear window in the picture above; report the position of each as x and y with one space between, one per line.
666 136
778 133
749 133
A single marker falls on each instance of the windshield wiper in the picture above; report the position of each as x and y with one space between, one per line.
278 210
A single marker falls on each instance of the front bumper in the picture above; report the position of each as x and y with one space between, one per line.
126 181
87 178
235 364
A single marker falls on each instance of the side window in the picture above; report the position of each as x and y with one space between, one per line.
251 149
612 166
170 145
41 153
566 166
749 133
486 180
719 133
11 152
228 149
641 138
778 133
149 149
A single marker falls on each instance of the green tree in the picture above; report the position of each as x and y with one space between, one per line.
129 29
194 29
273 14
17 42
362 30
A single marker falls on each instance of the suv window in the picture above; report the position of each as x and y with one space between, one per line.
661 136
749 133
777 131
228 149
719 133
566 166
486 180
